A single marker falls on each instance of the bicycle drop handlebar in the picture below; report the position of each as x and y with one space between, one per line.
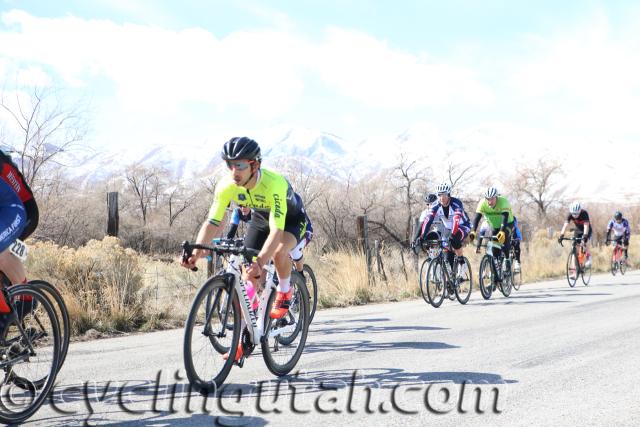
220 247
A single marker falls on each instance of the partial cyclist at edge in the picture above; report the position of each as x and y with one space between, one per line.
278 221
18 220
621 232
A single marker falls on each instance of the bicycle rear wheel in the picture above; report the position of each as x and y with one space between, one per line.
486 277
506 284
30 348
281 358
423 280
207 336
62 314
436 281
586 275
312 287
516 278
572 269
293 314
464 281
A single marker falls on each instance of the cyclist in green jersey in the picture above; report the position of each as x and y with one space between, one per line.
278 222
497 212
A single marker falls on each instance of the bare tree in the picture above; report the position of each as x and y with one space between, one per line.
410 175
538 185
145 184
47 129
459 175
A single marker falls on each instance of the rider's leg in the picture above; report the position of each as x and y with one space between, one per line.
12 267
626 248
283 262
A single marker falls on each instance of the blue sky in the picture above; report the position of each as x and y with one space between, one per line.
167 72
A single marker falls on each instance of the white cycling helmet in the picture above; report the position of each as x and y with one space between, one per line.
443 188
575 208
491 192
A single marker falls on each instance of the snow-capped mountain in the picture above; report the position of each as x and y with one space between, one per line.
494 153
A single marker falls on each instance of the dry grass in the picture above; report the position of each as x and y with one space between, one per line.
110 288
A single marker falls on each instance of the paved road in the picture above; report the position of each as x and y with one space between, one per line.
555 355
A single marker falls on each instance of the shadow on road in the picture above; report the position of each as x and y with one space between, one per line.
366 346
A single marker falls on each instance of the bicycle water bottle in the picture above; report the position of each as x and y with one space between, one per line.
251 293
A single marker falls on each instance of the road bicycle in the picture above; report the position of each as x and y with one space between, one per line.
222 316
618 260
443 279
30 348
576 262
495 271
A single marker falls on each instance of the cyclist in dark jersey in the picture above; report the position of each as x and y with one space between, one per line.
18 219
580 219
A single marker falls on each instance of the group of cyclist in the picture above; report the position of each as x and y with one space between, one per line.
499 222
278 225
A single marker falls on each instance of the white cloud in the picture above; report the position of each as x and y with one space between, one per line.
594 66
370 71
264 71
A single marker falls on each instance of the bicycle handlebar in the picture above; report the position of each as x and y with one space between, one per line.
220 247
574 239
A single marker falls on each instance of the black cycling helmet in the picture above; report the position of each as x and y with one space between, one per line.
617 216
241 148
430 198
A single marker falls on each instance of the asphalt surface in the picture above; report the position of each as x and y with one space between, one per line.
549 354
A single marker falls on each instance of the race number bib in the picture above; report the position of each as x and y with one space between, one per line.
19 249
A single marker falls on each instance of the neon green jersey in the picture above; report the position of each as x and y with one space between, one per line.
494 215
272 195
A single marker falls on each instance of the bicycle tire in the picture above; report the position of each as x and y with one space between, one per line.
572 269
270 343
464 293
313 290
294 310
506 283
485 277
436 281
27 339
423 280
516 278
214 287
586 275
63 317
623 266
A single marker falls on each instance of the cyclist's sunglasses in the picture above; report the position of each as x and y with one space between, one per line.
241 165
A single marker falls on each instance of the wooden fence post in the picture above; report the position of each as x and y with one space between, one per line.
362 230
112 212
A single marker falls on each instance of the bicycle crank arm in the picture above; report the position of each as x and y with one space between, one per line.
283 330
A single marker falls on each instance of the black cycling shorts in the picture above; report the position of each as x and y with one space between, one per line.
258 229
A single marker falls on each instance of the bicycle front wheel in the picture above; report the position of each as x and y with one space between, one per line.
212 329
61 312
436 281
572 269
614 264
486 277
280 352
30 348
464 281
424 268
312 287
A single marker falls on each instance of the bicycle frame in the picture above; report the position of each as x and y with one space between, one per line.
256 319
